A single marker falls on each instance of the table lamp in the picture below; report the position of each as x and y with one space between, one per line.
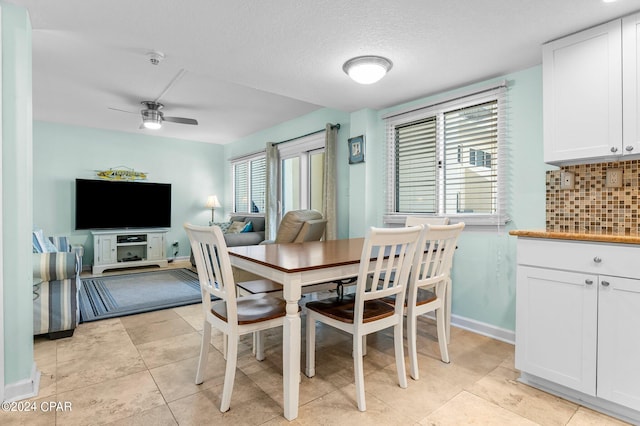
212 203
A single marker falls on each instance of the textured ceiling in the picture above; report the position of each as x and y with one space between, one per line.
253 64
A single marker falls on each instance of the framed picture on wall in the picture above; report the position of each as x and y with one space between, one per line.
356 150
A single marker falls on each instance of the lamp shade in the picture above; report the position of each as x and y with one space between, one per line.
367 69
212 202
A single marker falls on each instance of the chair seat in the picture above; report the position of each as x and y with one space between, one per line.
341 309
423 297
253 309
260 286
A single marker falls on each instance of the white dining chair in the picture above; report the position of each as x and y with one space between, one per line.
430 276
234 316
436 220
364 312
426 220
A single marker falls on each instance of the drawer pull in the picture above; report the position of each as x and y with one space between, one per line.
605 283
614 149
588 281
597 259
629 148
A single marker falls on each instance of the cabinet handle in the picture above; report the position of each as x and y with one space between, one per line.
629 148
597 259
605 283
588 281
614 149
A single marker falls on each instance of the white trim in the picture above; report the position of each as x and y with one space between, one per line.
250 156
482 328
453 97
2 331
23 389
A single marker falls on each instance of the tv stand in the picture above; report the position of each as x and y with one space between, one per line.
128 248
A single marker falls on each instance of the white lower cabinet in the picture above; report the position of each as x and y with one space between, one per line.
578 322
619 340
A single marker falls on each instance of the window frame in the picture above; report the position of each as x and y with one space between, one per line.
496 92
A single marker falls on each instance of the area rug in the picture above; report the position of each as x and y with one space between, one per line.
120 295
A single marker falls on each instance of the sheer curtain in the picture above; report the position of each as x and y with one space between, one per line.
329 192
271 214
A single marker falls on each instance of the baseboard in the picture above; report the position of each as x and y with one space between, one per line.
23 389
478 327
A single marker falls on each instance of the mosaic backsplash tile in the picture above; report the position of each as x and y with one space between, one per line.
591 207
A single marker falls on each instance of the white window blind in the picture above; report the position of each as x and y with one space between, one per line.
249 185
449 159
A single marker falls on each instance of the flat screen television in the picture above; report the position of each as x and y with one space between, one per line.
103 204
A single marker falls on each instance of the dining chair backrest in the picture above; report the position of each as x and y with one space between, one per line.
214 267
432 263
393 250
428 220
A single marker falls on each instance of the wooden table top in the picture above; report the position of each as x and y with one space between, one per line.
299 257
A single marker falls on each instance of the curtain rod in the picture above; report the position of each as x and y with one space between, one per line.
336 126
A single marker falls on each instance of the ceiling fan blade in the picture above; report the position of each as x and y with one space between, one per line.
175 79
122 110
180 120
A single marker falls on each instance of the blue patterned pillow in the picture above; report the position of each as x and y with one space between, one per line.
224 226
248 227
42 244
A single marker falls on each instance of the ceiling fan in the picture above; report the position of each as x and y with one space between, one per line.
152 116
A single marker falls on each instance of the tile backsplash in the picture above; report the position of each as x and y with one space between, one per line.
590 207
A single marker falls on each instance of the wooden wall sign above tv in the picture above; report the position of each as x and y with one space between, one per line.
121 173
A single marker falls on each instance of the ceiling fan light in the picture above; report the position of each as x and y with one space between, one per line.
151 119
367 69
151 124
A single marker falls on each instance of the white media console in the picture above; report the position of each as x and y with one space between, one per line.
128 248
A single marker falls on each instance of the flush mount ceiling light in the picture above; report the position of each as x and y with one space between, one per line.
367 69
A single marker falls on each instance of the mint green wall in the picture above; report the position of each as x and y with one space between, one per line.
293 129
484 268
17 308
484 278
62 153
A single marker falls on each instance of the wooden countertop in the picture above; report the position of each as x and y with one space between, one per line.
624 239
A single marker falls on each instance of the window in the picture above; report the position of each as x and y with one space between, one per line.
249 184
301 173
448 160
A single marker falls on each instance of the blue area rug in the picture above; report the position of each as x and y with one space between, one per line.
120 295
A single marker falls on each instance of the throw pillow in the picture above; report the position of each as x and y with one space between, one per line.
42 244
224 226
236 228
248 227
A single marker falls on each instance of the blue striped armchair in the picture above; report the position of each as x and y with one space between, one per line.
56 282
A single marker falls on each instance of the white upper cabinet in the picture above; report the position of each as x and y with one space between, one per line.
582 95
631 83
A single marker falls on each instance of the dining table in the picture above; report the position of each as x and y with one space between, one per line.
295 265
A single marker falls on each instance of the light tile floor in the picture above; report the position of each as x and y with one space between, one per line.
140 370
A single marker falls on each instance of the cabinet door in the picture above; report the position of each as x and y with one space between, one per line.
106 250
582 94
556 326
155 246
619 341
631 84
